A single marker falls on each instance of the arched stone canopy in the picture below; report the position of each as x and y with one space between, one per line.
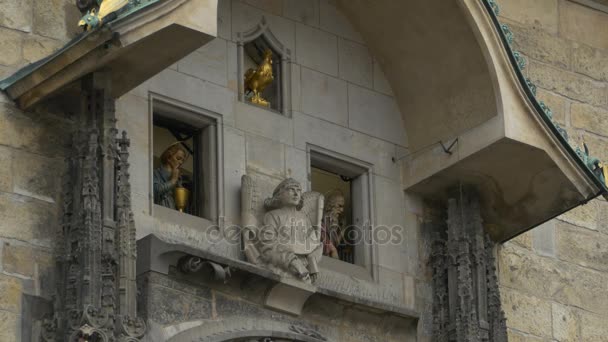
453 79
469 116
433 62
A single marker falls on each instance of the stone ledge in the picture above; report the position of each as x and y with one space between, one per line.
158 255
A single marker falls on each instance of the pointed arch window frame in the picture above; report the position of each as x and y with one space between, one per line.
262 29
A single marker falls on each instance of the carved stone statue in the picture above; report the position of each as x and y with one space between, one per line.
283 233
333 224
166 177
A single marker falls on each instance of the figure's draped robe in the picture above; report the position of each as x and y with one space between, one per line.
163 188
288 234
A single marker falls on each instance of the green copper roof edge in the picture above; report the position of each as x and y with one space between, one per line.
530 90
132 7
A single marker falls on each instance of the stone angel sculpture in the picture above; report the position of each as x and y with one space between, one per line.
283 232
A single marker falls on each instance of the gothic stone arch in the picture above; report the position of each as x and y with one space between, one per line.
246 329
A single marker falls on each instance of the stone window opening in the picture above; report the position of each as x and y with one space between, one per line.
252 47
176 128
336 176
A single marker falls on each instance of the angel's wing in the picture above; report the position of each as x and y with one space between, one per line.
251 203
313 206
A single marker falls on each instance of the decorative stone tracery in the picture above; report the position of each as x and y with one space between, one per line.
466 303
97 249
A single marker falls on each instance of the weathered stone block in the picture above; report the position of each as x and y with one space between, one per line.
589 118
295 164
375 114
22 259
518 336
527 313
265 154
133 116
11 43
566 323
14 14
591 62
33 132
317 49
540 45
11 289
36 48
523 240
332 20
583 24
194 91
226 306
544 239
583 247
380 82
167 305
593 328
260 121
233 77
304 11
602 225
564 282
296 88
569 84
6 169
348 142
9 326
324 97
556 102
27 219
207 63
56 18
542 13
234 168
356 64
37 176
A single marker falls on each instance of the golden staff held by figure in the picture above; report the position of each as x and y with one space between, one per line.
256 80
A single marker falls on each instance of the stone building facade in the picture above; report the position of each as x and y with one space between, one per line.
552 276
552 279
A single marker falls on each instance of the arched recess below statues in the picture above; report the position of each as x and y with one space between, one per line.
239 329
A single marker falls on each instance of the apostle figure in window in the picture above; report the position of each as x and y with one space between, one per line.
332 232
167 176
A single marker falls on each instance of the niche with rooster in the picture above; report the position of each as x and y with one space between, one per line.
264 65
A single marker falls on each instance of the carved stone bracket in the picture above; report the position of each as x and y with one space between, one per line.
194 264
289 296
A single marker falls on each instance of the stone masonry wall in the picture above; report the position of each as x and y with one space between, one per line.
554 278
32 150
340 102
203 302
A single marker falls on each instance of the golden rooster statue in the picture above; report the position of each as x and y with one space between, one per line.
257 80
98 15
